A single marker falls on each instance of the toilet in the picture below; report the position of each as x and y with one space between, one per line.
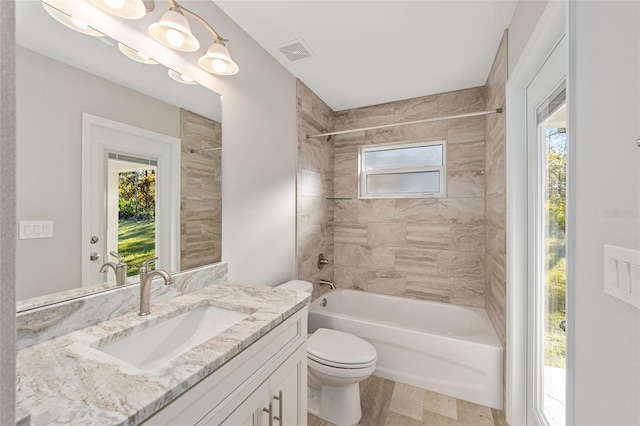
336 363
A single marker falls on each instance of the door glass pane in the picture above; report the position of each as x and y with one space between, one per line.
552 134
403 158
131 211
398 183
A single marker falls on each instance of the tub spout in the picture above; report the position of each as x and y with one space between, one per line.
329 283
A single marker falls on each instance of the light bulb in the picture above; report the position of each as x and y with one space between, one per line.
186 79
175 38
219 65
115 4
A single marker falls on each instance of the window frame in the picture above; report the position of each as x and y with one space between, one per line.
362 174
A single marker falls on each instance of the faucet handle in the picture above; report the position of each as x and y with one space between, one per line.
145 264
116 255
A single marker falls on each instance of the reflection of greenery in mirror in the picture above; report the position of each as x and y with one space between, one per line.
136 218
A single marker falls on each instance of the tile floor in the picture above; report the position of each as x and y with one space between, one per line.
387 403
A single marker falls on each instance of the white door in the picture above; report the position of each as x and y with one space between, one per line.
546 175
102 137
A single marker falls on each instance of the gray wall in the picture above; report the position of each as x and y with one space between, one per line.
51 98
522 24
7 213
606 107
258 161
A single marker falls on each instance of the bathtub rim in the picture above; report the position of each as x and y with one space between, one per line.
487 337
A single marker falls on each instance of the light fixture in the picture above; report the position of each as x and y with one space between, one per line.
128 9
70 21
173 31
181 78
135 55
217 60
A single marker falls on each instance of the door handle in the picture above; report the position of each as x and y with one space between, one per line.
280 407
94 256
270 411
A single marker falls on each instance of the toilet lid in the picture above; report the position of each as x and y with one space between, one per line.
338 349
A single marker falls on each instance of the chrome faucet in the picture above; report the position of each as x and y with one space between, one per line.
146 278
120 268
329 283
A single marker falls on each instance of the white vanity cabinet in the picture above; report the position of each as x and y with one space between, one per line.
264 383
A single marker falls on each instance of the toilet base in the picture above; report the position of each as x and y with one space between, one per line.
339 405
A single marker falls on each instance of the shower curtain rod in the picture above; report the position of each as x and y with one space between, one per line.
193 151
426 120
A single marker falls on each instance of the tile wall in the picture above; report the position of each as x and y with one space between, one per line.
449 249
200 191
496 204
315 189
431 248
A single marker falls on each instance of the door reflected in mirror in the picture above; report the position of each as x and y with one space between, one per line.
56 85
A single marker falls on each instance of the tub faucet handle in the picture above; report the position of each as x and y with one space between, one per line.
322 261
329 283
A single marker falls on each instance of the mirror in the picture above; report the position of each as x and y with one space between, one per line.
68 82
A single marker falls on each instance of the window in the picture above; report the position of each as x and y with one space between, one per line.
408 170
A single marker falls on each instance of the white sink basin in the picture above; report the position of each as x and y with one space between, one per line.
154 346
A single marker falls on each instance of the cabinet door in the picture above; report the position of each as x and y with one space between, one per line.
288 389
249 413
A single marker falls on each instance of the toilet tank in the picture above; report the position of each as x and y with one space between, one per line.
298 285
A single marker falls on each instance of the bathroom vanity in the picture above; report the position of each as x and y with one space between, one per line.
252 372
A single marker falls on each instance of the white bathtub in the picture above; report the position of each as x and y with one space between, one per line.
444 348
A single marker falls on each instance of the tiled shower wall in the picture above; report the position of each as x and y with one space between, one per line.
315 189
449 249
495 299
200 191
431 248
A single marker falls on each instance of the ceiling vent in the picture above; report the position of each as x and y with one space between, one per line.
295 50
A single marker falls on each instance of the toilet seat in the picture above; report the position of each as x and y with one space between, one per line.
337 349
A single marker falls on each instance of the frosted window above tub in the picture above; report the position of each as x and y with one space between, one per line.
406 170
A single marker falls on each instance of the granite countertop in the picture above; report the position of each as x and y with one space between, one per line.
66 380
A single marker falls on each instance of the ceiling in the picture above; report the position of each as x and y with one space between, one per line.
370 52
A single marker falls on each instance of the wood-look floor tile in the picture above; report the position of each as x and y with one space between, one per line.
430 418
316 421
375 397
395 419
499 418
407 400
387 403
440 404
474 414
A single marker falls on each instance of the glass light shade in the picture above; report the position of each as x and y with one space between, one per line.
217 60
181 78
128 9
173 31
71 22
135 55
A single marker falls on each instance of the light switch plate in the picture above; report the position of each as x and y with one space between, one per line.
30 229
622 274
